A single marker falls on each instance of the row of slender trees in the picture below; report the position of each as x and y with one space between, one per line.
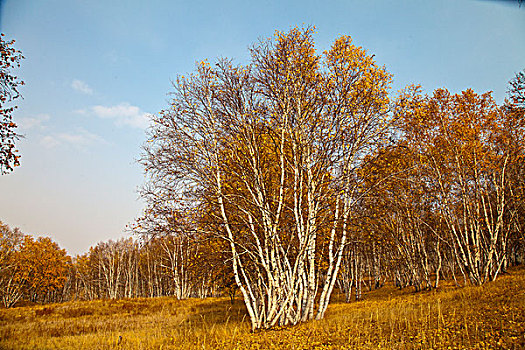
38 270
182 265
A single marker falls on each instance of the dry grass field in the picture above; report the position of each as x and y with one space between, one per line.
487 317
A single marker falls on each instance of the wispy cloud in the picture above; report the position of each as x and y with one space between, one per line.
49 141
82 87
122 114
36 122
79 138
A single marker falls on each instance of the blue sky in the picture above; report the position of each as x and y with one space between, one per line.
95 69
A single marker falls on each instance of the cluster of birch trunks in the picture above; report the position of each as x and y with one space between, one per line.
316 175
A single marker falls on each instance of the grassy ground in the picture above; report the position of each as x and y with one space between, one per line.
491 316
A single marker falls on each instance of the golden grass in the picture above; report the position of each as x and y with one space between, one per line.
491 316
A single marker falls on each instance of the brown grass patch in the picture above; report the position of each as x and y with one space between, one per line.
487 317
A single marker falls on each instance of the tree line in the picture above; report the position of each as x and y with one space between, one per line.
37 270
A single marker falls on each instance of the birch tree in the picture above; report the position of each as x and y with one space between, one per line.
513 140
269 149
458 139
11 278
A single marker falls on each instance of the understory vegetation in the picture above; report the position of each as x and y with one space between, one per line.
473 317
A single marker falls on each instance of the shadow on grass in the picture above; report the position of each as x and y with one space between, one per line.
219 311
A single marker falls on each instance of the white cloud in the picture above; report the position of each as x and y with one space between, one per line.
80 138
36 122
49 141
123 114
82 87
81 111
